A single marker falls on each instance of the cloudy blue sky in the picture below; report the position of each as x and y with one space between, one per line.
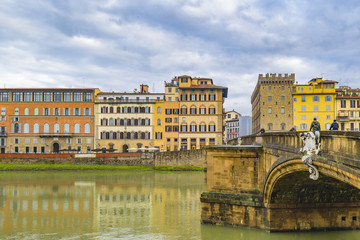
118 44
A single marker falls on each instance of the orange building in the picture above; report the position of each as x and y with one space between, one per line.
47 120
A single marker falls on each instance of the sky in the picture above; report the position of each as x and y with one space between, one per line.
116 45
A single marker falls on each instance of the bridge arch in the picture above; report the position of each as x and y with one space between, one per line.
296 202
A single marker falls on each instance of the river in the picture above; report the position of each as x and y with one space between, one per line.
117 205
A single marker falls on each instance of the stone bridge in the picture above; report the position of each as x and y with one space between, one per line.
263 183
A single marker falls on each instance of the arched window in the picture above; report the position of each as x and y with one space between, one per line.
283 126
135 135
202 127
87 128
159 122
121 122
129 109
129 122
111 122
132 135
159 110
36 111
114 135
121 135
26 112
136 109
143 135
111 110
128 135
66 128
107 135
56 128
46 128
26 128
136 122
193 127
16 111
270 126
77 128
111 135
132 109
118 110
132 122
36 128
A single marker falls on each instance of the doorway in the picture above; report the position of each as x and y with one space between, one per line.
56 148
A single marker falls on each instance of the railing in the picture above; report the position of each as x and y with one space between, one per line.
56 134
127 100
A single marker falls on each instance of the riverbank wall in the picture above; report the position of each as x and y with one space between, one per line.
195 158
115 159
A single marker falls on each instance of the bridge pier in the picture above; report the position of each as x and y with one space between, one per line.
268 187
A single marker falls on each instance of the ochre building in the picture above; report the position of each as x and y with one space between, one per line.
47 120
271 101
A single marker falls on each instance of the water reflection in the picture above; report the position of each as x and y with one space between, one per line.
110 205
125 204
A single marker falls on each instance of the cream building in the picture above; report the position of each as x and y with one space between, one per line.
125 121
348 108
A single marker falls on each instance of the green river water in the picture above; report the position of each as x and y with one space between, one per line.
117 205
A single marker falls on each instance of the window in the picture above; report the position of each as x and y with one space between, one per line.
328 108
36 128
159 122
343 103
169 99
269 98
328 117
202 97
212 128
192 97
4 96
282 88
159 110
269 88
316 108
303 98
26 111
192 110
16 111
26 128
66 111
183 97
47 96
169 89
67 96
202 128
27 96
88 97
211 110
56 128
3 111
56 111
36 111
77 111
211 97
66 128
282 110
87 128
270 110
193 128
77 128
352 103
87 111
328 98
303 117
78 97
303 126
316 98
168 111
202 110
270 126
57 96
283 126
17 96
183 110
37 96
283 98
184 80
46 128
303 108
184 128
168 120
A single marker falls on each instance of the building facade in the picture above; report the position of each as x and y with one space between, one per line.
347 108
314 100
125 121
193 113
271 101
47 120
231 125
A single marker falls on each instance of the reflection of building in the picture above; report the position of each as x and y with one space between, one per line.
271 102
51 208
199 118
231 125
46 120
125 121
315 99
348 108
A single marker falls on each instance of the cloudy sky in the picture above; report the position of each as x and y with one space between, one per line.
116 45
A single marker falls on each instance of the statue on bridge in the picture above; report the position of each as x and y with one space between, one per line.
311 141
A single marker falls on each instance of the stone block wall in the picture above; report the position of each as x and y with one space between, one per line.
196 158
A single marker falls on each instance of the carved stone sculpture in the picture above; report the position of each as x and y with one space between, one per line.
311 149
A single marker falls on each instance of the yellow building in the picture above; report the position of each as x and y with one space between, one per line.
348 108
315 99
159 125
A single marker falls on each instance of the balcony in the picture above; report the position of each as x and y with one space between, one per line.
3 134
56 134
